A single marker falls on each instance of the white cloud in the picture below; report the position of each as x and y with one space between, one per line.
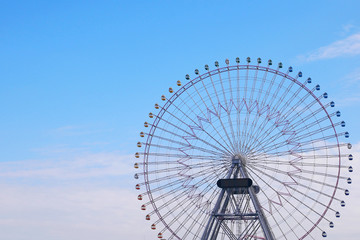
74 130
352 78
74 167
348 27
40 209
349 94
91 196
349 46
58 213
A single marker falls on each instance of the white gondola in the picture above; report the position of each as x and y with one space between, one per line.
349 181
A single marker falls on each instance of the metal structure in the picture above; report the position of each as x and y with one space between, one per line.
236 125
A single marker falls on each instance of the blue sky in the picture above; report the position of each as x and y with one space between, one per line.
78 79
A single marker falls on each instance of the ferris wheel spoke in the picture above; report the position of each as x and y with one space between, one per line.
287 185
238 100
305 112
299 177
254 83
294 105
277 90
281 99
189 187
183 145
310 150
283 219
263 81
212 103
294 163
298 110
181 156
325 174
286 110
197 126
256 139
178 168
229 116
316 181
312 124
229 119
295 198
305 143
268 142
280 129
181 191
217 111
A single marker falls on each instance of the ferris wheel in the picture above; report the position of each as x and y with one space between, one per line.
244 151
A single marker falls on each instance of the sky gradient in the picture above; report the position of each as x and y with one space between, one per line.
79 78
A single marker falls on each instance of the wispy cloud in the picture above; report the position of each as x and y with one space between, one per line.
83 210
348 27
71 212
349 94
86 196
349 46
75 167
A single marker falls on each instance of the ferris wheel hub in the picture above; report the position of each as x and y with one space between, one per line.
240 158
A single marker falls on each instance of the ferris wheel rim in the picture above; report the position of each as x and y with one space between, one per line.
203 76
